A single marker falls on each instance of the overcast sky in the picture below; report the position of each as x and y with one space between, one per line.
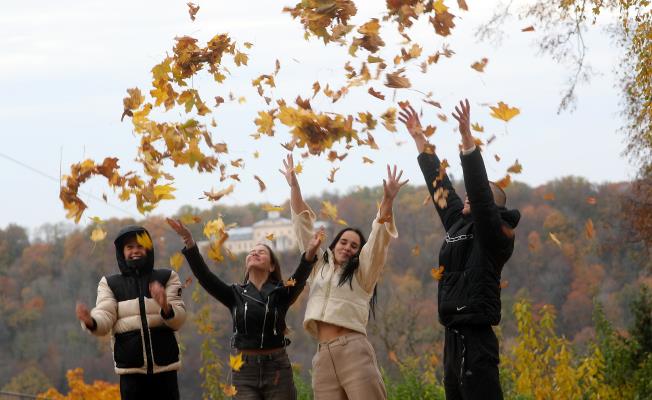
66 65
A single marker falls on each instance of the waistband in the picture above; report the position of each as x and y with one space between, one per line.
258 358
341 340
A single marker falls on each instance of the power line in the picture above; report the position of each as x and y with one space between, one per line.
58 181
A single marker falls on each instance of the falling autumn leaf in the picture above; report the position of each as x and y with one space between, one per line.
440 197
432 103
215 196
366 160
236 362
506 181
290 282
504 112
261 184
98 234
376 94
269 207
480 65
528 29
497 157
477 127
228 390
192 10
462 5
97 220
270 237
437 273
331 177
187 282
516 168
442 117
298 168
504 284
392 357
396 80
176 260
329 210
416 250
144 240
553 237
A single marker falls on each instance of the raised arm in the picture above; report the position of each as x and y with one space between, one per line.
100 320
308 259
208 280
484 211
374 252
430 167
303 218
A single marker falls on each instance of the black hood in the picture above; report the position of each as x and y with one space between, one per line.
124 234
511 217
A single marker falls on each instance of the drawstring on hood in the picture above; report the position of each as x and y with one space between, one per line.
135 267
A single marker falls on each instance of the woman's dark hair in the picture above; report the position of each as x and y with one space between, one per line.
352 265
276 273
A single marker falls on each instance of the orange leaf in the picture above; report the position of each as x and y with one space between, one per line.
506 181
516 168
215 196
331 178
261 184
366 160
192 10
588 228
437 273
528 29
549 196
376 94
480 65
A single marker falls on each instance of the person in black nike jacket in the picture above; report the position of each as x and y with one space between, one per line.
479 241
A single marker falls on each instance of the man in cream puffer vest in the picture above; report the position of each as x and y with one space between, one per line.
142 308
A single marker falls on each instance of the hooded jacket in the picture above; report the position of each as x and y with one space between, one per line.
144 341
476 247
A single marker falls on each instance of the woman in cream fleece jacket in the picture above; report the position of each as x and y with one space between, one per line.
342 286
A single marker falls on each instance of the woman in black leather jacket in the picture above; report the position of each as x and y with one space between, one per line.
258 307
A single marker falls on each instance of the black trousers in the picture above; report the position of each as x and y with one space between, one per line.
161 386
471 363
265 377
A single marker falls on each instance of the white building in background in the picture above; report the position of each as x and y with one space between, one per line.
243 239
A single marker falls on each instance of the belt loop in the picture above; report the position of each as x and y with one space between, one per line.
344 340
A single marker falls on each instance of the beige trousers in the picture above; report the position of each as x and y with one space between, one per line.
345 368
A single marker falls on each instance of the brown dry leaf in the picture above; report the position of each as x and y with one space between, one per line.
516 168
480 65
462 5
389 119
239 163
528 29
366 160
437 273
497 157
432 103
215 196
392 357
331 177
218 100
429 131
261 184
376 94
332 156
443 23
290 282
315 89
442 117
192 10
504 284
396 80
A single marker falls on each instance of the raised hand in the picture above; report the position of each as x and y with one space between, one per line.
314 244
158 294
290 175
83 314
182 231
392 184
409 117
463 116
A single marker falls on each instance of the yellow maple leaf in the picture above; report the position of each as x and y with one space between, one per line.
215 196
228 390
144 240
98 235
214 227
270 236
477 127
437 273
236 362
290 282
342 222
163 192
440 7
329 210
504 112
176 261
298 168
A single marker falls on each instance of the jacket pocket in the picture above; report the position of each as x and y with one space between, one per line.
128 350
164 346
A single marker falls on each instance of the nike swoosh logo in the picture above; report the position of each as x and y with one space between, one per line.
460 308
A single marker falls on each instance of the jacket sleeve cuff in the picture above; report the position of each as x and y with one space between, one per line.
466 152
86 328
167 316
